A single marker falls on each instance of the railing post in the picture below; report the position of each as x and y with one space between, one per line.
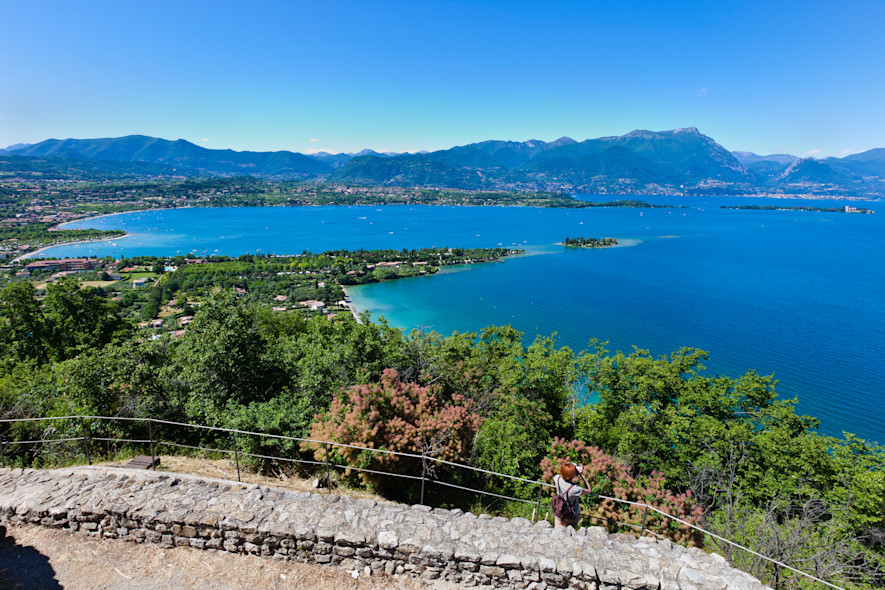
236 456
328 477
644 515
423 475
2 452
540 494
85 440
151 437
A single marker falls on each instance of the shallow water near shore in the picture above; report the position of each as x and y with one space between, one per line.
797 294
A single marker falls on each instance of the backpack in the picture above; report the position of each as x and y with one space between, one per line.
562 509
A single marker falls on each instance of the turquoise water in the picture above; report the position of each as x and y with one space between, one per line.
797 294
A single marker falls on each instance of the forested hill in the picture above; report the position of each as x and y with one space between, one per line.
680 161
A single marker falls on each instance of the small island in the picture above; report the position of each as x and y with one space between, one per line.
590 242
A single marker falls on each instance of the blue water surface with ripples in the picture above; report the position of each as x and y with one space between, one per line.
797 294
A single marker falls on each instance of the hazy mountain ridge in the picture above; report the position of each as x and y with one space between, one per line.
140 148
675 161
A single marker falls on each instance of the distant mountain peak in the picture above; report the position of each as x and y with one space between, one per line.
637 133
564 140
692 130
809 170
16 146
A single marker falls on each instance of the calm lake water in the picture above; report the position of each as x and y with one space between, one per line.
797 294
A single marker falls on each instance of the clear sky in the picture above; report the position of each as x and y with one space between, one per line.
806 78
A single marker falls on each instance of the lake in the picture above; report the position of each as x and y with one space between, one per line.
797 294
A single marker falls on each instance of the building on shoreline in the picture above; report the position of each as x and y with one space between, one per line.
65 264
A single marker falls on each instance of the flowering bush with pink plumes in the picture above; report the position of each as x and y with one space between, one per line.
395 416
609 477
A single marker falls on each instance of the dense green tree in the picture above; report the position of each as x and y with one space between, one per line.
77 319
23 330
68 321
513 439
224 361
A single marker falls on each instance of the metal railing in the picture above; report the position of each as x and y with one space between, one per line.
427 474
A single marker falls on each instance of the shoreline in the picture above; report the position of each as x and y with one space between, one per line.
74 243
38 251
59 226
351 305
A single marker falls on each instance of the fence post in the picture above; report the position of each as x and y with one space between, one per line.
151 437
644 515
328 477
540 494
85 441
423 475
2 452
236 456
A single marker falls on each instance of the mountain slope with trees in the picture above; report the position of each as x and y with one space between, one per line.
680 161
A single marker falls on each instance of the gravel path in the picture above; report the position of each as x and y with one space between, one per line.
33 558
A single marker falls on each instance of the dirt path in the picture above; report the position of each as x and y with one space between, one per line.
38 558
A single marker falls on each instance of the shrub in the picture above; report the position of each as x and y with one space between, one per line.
394 416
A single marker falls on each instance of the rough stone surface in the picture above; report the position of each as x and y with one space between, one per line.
179 510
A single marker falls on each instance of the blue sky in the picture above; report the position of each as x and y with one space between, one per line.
806 78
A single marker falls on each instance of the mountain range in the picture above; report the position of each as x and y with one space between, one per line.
679 161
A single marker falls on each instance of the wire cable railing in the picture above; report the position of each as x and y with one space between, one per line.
426 476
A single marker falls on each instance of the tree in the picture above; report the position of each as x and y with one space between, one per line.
395 416
225 361
23 330
513 440
666 414
78 319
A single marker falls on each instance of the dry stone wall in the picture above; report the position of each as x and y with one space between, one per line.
364 535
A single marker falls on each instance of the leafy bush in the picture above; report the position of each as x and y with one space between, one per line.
394 416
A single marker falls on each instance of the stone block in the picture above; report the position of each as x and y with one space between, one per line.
349 538
492 571
343 551
508 561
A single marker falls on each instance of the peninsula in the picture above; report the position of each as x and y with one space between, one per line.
845 209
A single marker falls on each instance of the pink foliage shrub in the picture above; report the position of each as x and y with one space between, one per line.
609 477
395 416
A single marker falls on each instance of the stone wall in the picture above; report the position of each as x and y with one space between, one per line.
178 510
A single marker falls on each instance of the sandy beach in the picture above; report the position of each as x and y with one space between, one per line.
36 253
350 304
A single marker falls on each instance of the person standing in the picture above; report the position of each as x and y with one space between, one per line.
567 509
